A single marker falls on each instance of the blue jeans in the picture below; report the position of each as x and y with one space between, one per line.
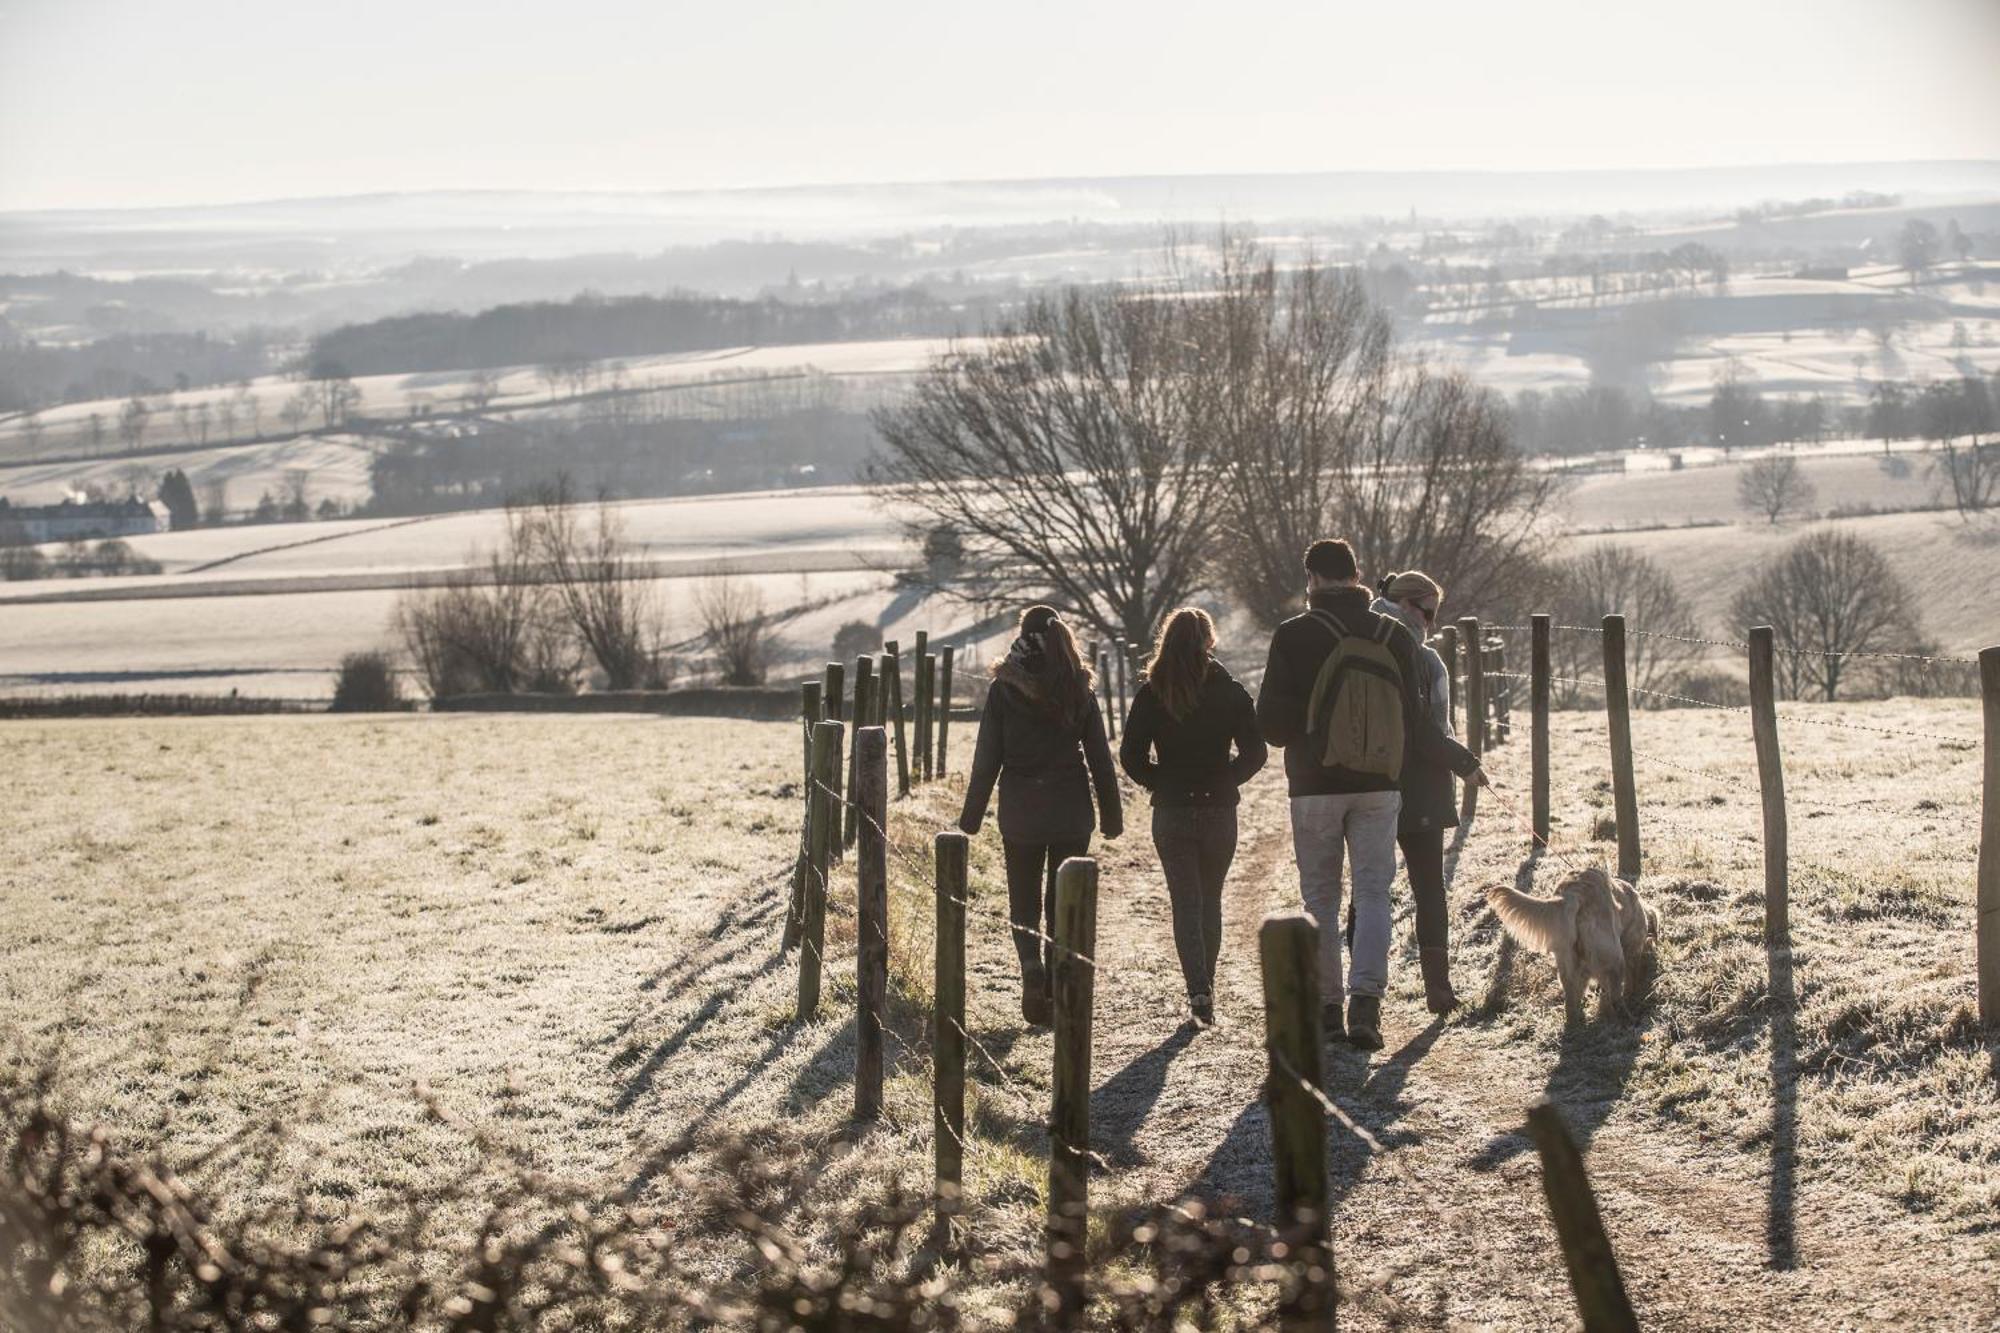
1196 843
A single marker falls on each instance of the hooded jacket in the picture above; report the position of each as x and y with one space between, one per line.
1045 770
1193 766
1429 802
1299 648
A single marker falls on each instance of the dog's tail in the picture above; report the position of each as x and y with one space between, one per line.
1535 922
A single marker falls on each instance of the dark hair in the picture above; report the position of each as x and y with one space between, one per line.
1331 558
1064 688
1180 660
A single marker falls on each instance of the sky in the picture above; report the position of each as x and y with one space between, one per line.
128 103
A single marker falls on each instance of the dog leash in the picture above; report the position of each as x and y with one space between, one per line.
1512 812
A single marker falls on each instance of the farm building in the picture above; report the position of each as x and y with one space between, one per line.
74 520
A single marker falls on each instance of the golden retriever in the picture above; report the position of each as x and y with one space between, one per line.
1597 926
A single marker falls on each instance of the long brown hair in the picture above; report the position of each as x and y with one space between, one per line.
1045 665
1180 660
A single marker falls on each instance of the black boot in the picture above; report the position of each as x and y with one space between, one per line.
1331 1027
1439 997
1202 1009
1364 1022
1035 1002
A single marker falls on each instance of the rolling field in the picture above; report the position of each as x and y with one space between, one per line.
562 932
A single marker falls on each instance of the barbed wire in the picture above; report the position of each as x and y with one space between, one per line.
1938 659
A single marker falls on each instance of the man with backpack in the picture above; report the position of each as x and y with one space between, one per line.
1344 696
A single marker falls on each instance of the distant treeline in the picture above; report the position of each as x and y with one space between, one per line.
35 375
592 328
624 460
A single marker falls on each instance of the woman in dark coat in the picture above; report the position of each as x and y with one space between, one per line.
1185 720
1430 805
1042 738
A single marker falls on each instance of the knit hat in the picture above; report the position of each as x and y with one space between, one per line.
1413 583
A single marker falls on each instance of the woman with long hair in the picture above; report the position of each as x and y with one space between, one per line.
1042 739
1429 808
1186 717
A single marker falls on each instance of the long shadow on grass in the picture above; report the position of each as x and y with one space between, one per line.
1120 1107
1780 1232
642 1079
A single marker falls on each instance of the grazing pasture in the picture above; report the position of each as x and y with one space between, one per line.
562 933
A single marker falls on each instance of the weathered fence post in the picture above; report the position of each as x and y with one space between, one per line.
810 715
1123 650
1618 713
1475 701
1538 728
1110 705
871 883
920 707
1448 650
864 715
836 675
1288 944
927 714
944 706
822 830
1593 1269
1069 1114
948 1041
1771 782
892 673
1989 846
1503 701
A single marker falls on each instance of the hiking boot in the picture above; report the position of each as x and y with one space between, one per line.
1036 1007
1202 1009
1364 1022
1331 1027
1439 997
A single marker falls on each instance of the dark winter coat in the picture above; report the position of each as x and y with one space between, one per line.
1045 770
1194 766
1298 649
1430 803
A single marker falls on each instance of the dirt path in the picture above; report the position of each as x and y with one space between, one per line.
1450 1225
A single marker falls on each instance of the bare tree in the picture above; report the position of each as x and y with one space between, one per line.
494 629
731 612
481 390
1917 247
1614 579
132 422
31 432
250 407
1067 455
1775 486
335 397
94 430
1829 595
604 591
296 509
215 501
1954 412
296 409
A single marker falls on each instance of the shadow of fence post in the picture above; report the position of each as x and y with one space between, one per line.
1601 1302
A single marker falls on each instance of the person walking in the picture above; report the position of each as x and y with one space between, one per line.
1430 806
1187 715
1042 739
1341 697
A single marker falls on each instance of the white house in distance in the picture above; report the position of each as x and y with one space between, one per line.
82 520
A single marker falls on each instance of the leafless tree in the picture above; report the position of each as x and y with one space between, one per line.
250 408
601 588
215 501
94 429
1067 455
495 629
335 398
481 390
296 409
132 421
296 509
1617 580
1829 595
1774 486
31 432
1955 414
203 413
731 612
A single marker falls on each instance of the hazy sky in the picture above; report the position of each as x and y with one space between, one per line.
132 102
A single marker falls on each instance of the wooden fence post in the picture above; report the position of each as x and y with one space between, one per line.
892 672
944 706
810 715
832 698
1069 1115
927 714
1288 944
1503 709
871 950
864 715
1618 713
1771 782
1448 650
920 707
1110 704
1124 653
1538 729
948 1042
1989 846
1593 1269
1475 702
822 830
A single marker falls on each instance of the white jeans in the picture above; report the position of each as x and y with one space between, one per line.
1323 828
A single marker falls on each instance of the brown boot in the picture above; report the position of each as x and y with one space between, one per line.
1439 997
1364 1022
1035 1002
